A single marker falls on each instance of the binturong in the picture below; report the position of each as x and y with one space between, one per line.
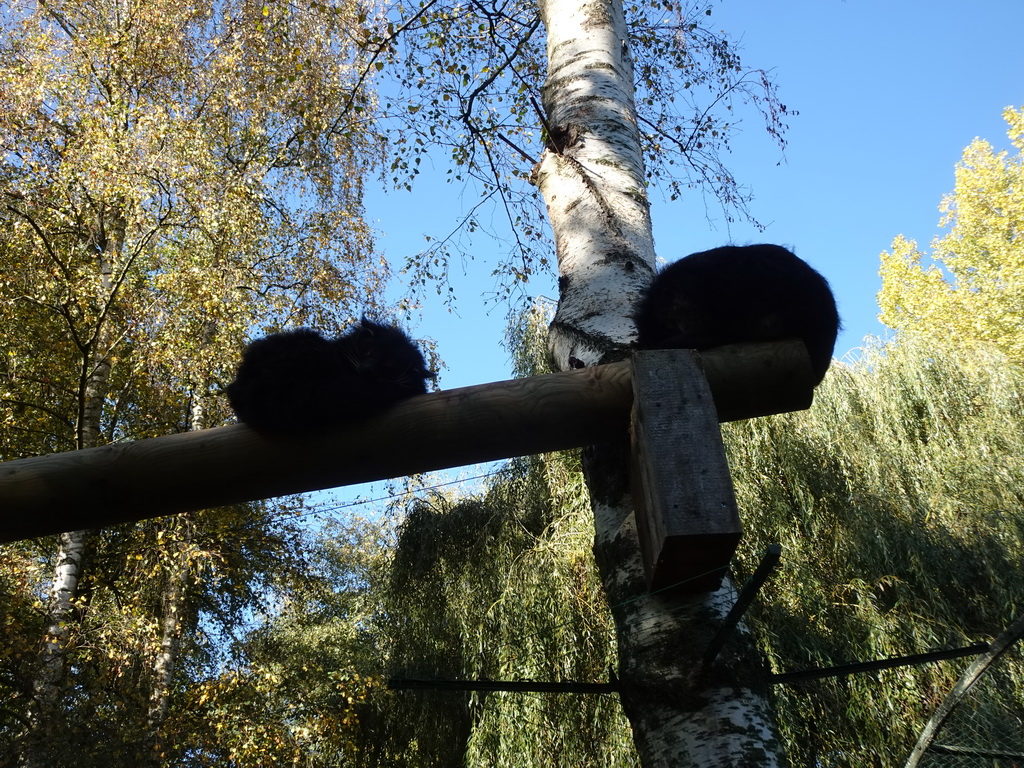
733 294
300 383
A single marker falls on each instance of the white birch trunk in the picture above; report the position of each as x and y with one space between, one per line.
592 179
59 614
46 719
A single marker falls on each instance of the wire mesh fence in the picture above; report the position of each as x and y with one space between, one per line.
986 729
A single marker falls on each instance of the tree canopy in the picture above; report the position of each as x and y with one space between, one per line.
973 287
465 81
174 177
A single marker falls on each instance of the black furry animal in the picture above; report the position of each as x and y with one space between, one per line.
739 294
298 382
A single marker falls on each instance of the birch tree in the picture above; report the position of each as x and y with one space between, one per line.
174 177
593 181
466 79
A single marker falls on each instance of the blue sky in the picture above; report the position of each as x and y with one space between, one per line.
889 93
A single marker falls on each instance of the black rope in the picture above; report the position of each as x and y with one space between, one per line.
870 666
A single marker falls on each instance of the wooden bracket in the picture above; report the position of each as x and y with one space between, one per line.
686 512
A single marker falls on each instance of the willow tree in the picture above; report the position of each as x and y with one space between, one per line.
175 176
897 502
896 499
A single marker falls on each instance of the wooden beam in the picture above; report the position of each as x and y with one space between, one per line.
213 467
117 483
751 380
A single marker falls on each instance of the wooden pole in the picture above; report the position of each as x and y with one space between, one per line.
117 483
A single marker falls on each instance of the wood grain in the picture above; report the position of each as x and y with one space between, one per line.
228 465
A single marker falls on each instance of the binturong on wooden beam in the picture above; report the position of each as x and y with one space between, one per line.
124 482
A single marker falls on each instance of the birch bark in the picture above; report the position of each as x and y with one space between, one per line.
593 182
106 240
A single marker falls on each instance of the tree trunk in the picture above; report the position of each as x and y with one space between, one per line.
172 607
45 731
592 178
46 735
47 687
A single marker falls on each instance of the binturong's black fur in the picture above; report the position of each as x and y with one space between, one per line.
299 383
738 294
